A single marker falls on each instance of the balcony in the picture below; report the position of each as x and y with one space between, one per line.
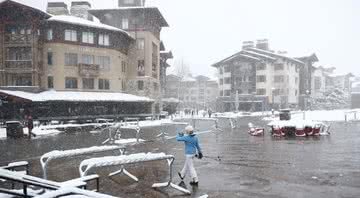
89 70
18 38
18 64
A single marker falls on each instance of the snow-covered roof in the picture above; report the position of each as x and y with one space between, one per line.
275 54
154 10
73 96
174 100
26 3
188 79
84 22
257 54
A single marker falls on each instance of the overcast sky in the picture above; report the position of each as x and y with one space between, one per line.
203 32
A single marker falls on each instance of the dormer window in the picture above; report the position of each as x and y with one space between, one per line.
125 23
104 39
70 35
88 37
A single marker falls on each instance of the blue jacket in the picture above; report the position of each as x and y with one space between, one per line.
191 143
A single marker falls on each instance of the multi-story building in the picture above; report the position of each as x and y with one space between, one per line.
66 51
198 92
144 24
255 76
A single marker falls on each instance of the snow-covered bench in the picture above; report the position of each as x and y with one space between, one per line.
28 180
47 157
122 160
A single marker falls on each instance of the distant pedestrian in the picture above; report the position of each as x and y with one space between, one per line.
191 148
30 126
209 112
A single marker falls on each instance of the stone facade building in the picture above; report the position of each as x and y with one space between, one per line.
67 51
256 76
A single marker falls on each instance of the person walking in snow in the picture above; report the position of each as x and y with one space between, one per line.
191 148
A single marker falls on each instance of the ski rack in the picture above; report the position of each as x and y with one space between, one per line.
123 160
47 157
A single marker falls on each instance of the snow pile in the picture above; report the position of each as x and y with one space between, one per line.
52 95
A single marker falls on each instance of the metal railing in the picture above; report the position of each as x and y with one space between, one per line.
18 64
89 69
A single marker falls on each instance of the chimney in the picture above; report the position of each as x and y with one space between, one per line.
81 9
57 8
263 44
131 3
282 52
247 44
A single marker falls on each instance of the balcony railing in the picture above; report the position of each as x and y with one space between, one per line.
141 72
89 69
18 38
18 64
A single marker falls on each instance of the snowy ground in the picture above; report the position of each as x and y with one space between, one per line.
47 130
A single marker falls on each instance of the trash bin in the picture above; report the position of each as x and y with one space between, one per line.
14 129
285 114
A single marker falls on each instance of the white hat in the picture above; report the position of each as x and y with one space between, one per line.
189 128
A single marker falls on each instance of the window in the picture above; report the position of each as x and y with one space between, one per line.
296 80
129 1
104 39
18 53
261 78
227 69
221 70
50 82
261 91
278 79
49 36
104 84
276 92
87 59
317 83
221 81
71 59
103 62
123 66
123 84
125 23
140 85
88 37
140 44
71 83
50 58
88 83
227 92
227 80
70 35
221 93
261 67
156 87
141 67
279 66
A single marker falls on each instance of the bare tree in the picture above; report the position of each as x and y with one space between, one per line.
182 69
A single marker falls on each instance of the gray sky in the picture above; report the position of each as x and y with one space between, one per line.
203 32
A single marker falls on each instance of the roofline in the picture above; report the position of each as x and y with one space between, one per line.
163 24
277 55
38 10
89 26
233 56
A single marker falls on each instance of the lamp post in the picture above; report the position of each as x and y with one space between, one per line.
307 99
273 98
